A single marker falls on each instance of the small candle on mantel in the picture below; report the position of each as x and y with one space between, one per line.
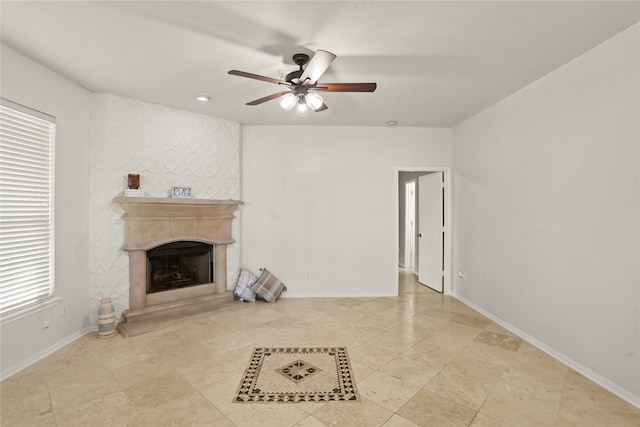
133 181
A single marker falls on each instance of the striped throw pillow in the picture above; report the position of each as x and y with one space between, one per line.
268 286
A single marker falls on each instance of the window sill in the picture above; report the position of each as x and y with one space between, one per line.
29 310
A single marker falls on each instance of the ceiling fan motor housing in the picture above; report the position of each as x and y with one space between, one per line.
299 59
294 75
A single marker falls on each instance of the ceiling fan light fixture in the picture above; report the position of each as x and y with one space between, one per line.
313 100
301 107
288 101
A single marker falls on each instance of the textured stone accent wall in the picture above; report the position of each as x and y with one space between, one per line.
168 148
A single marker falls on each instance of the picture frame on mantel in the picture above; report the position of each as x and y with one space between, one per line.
181 192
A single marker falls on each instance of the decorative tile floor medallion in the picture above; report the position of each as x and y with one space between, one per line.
307 374
298 371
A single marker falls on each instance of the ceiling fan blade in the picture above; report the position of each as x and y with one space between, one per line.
322 107
346 87
267 98
318 65
258 77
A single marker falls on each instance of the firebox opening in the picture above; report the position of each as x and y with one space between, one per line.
179 265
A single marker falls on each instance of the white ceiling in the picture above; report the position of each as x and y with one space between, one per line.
435 63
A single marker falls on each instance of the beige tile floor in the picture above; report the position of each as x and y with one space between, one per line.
420 359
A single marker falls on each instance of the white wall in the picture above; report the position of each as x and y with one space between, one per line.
168 147
29 84
324 200
547 212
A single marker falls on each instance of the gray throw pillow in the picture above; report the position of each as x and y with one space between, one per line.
243 288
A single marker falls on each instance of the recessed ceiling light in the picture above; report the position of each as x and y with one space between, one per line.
392 123
203 98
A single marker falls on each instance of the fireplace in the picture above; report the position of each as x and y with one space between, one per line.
179 265
190 237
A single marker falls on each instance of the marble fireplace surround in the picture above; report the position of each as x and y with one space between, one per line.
150 222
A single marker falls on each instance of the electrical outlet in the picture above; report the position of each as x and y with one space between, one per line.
307 274
64 309
46 323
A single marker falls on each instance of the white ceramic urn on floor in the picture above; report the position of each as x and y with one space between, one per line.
106 319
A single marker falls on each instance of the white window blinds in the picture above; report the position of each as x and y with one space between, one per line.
26 206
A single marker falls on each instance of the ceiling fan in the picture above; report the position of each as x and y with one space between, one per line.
303 86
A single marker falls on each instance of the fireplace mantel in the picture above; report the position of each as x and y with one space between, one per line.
150 222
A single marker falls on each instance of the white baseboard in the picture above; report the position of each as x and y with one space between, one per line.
602 381
12 370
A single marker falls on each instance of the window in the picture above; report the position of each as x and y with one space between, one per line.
26 206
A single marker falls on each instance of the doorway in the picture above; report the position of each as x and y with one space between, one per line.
408 260
435 262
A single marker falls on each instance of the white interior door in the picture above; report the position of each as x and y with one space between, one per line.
410 225
431 230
